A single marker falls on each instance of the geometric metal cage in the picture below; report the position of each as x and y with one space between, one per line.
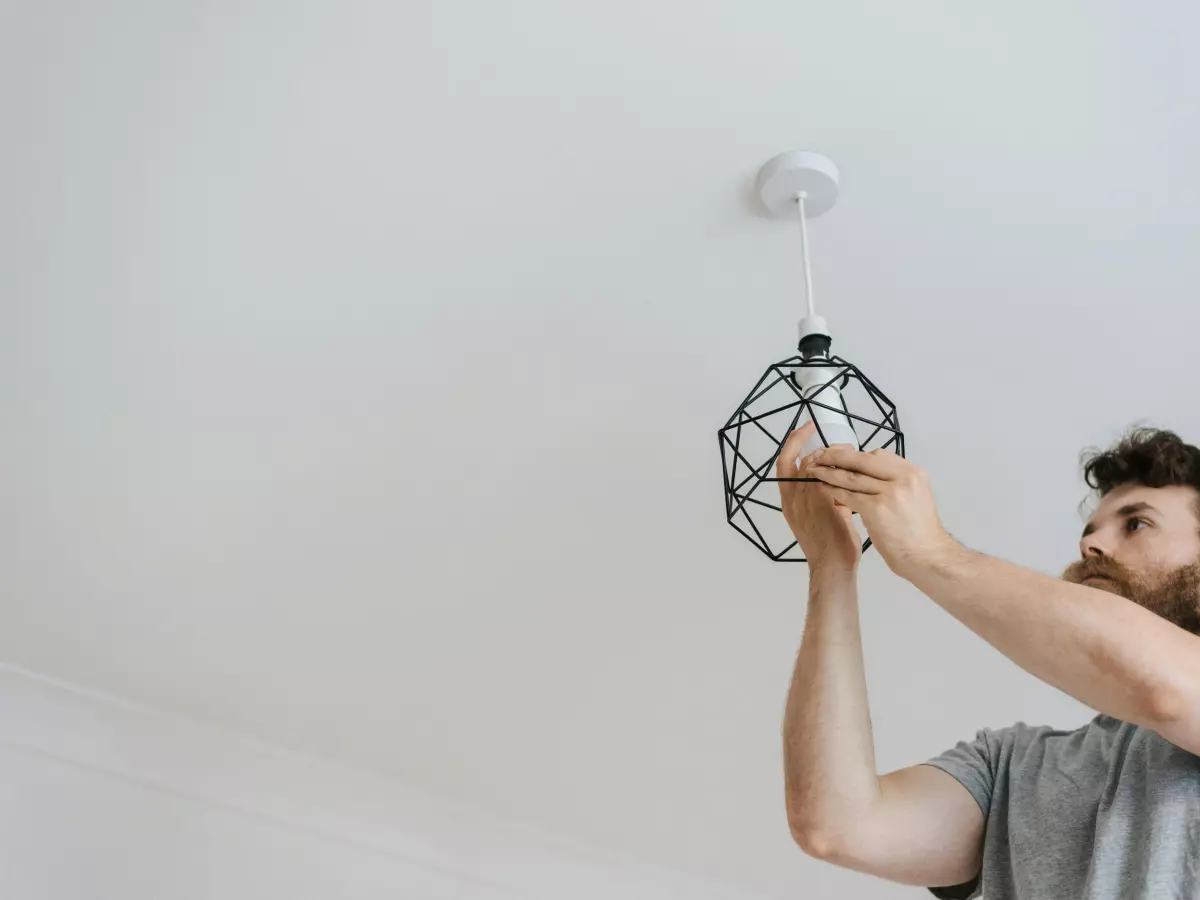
789 392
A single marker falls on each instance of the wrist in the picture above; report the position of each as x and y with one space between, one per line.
832 571
937 555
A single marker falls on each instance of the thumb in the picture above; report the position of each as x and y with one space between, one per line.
789 455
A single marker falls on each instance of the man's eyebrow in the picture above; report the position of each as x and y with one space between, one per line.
1129 509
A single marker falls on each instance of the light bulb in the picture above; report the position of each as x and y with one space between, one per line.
834 424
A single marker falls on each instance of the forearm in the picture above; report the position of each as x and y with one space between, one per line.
829 757
1103 650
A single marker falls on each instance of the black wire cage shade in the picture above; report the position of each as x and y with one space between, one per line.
779 403
845 405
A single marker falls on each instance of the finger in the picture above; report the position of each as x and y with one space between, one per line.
847 478
804 432
815 456
853 500
884 467
786 465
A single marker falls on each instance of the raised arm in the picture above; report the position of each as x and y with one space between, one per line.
916 826
1103 650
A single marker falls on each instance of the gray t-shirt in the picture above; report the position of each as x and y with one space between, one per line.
1108 811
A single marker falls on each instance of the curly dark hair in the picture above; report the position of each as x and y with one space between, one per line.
1148 456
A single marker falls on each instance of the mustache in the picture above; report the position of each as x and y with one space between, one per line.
1077 571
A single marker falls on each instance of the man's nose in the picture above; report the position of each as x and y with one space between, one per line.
1092 546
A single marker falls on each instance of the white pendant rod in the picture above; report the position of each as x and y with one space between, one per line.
801 196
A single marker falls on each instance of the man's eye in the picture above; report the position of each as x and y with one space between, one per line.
1133 524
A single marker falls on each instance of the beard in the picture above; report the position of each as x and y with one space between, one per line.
1174 595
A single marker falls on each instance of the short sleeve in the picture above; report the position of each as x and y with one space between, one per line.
974 764
960 892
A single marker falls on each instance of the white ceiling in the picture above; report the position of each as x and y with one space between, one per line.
360 366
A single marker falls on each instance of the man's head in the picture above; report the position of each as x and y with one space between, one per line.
1143 540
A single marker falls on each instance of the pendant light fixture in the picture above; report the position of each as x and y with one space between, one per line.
845 405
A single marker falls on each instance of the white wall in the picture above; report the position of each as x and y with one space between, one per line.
102 799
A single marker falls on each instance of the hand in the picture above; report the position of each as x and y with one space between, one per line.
824 530
893 498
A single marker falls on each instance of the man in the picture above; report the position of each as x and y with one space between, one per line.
1110 810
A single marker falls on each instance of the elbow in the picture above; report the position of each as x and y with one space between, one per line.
825 831
1173 712
816 838
1172 707
815 843
1165 706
